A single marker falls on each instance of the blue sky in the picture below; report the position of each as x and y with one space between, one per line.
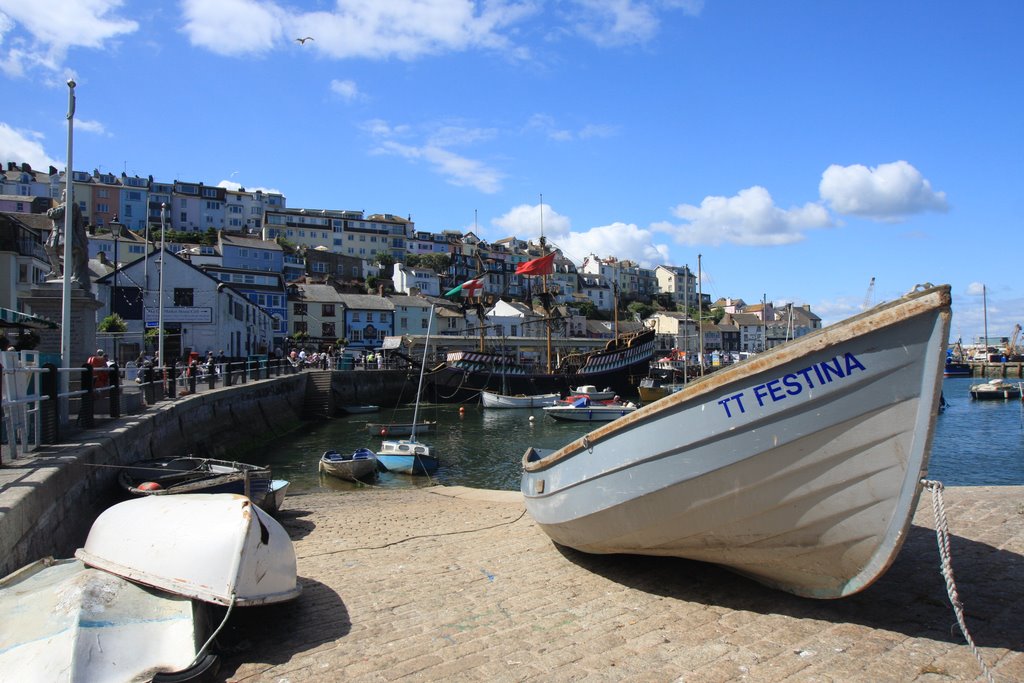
800 147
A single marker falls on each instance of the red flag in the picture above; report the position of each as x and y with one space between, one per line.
545 265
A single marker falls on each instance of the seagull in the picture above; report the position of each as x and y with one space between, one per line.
302 41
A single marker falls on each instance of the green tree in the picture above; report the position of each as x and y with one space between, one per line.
439 263
386 262
112 323
210 237
640 309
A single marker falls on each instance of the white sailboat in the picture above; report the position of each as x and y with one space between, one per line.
409 456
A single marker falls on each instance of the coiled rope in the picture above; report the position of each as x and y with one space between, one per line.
942 536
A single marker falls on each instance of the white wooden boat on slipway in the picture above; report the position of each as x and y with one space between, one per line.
492 399
800 467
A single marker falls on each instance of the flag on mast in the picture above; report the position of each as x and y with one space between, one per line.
545 265
467 288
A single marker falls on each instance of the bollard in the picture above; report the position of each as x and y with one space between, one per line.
149 386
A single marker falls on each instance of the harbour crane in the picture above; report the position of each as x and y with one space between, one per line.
870 294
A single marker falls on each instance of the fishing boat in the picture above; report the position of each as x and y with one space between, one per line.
191 474
491 399
584 410
409 456
399 428
954 368
651 389
995 390
800 467
355 466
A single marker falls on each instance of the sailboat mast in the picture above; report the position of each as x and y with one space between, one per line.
700 314
423 366
544 286
479 297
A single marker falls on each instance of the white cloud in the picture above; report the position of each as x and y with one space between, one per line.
24 147
622 240
49 28
434 149
375 29
547 125
235 187
750 218
975 289
609 23
234 27
347 90
89 126
889 192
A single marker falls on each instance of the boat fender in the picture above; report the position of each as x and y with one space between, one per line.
149 486
384 432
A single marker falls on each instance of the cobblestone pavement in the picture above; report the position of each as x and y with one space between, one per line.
454 584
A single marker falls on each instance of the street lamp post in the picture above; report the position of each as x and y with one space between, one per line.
116 228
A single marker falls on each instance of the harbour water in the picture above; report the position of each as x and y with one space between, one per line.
976 443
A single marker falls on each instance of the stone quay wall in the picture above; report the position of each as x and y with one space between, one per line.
49 499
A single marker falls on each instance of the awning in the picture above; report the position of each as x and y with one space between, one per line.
9 318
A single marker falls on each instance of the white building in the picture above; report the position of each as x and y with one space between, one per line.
199 313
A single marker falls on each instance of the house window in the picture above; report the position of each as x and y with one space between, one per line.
383 317
327 310
300 325
328 330
355 316
300 309
183 296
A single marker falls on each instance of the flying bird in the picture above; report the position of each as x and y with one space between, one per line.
302 41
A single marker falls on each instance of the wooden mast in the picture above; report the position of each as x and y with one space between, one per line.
545 300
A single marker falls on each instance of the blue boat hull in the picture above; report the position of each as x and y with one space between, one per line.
409 464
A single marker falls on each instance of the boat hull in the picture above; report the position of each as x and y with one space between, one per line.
588 413
407 457
73 623
399 429
490 399
800 467
204 475
995 390
462 380
352 466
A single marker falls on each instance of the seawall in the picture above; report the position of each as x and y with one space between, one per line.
49 499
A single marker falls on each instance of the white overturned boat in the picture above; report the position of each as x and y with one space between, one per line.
799 467
132 605
492 399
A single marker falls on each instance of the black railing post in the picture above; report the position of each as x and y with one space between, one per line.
148 384
86 403
115 390
49 409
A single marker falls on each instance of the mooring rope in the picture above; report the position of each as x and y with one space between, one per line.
942 536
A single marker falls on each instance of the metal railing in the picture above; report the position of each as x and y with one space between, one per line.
35 410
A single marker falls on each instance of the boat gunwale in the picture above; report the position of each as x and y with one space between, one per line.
915 303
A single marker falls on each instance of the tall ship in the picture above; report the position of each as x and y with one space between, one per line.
619 366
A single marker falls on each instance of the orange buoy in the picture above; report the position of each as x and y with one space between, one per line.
384 431
149 486
462 410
